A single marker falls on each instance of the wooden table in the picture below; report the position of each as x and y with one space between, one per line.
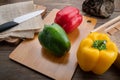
10 70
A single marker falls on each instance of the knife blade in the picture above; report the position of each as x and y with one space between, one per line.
16 21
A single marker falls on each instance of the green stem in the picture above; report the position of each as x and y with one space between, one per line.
99 44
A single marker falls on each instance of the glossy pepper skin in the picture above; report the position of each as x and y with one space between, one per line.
68 18
54 39
96 53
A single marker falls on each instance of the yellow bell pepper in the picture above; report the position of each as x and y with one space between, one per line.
96 53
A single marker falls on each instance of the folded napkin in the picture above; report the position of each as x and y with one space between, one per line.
25 30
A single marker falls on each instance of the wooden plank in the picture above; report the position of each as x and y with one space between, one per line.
111 31
31 54
106 25
117 26
113 28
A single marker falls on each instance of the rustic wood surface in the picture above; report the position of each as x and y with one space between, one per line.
10 70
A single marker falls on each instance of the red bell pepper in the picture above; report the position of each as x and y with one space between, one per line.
68 18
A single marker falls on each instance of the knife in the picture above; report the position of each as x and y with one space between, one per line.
18 20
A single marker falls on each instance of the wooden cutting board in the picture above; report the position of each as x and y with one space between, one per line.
31 54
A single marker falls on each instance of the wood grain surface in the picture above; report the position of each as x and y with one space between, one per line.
10 70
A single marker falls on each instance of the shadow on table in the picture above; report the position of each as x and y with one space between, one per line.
112 74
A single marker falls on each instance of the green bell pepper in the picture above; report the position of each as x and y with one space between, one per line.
54 39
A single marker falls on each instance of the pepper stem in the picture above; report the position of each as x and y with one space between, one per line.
99 44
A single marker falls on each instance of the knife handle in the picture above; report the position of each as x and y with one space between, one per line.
7 25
